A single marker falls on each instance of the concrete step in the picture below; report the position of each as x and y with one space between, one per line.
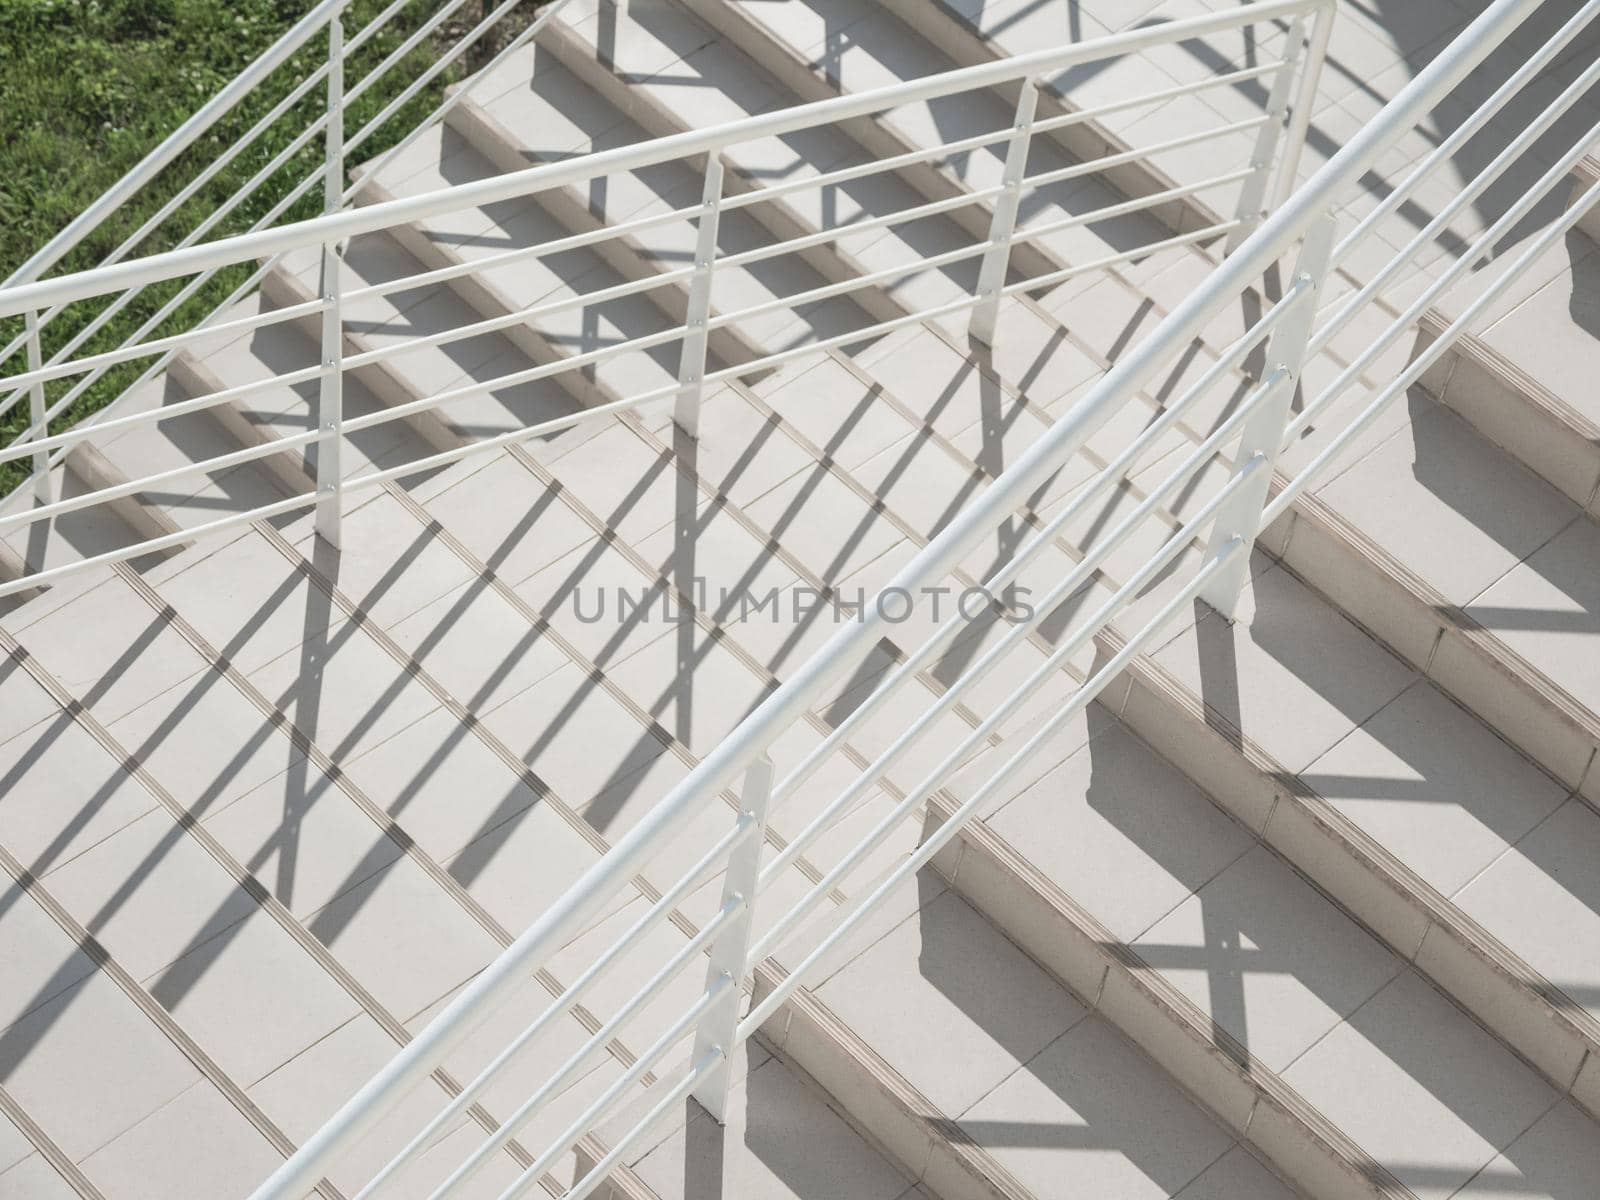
522 126
653 61
1309 1038
815 57
1493 973
1519 376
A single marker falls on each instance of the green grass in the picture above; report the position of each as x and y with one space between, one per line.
91 86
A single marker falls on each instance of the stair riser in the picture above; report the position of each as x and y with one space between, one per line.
387 384
778 217
623 254
1401 611
195 379
742 29
1111 979
878 1100
1423 928
1512 411
1085 140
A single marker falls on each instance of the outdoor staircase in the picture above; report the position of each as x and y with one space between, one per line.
1305 905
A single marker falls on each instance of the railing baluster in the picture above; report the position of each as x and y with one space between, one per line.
1253 195
992 274
330 396
728 953
38 418
1240 516
692 364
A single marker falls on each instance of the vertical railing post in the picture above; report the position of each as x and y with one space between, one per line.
330 397
1239 518
1253 194
992 274
692 363
38 422
732 946
1305 99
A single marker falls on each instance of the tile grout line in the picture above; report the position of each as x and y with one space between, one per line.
192 825
242 878
34 888
45 1146
386 825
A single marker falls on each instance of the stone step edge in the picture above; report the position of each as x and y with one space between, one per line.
570 209
961 40
835 264
1440 640
876 1099
877 133
1506 995
1112 980
1513 410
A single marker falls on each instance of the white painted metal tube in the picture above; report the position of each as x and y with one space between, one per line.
1480 117
675 1033
731 912
739 833
870 775
952 761
1463 196
924 853
1111 473
709 1062
1481 246
174 144
1432 354
515 184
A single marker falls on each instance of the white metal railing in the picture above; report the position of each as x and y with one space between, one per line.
384 84
1292 75
753 769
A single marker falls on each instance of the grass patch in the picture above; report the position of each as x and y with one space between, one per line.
91 86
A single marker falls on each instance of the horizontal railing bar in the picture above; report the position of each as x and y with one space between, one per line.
1483 245
649 991
1093 166
1082 115
172 145
855 284
1081 573
1481 116
502 258
934 842
1139 204
825 236
521 316
674 1033
1112 472
931 782
516 184
371 171
738 833
1051 278
1435 350
1463 195
177 341
675 1095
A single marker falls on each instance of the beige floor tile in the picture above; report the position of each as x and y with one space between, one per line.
946 977
1434 787
1420 1087
1122 832
1093 1110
